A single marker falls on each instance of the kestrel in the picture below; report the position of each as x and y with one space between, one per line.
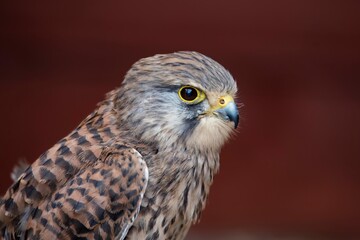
140 166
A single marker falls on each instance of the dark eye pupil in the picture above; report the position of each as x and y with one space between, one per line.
188 93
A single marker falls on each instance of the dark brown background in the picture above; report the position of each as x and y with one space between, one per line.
294 165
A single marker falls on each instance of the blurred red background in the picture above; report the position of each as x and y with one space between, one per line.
294 165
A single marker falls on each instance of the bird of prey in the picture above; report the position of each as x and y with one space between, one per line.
140 166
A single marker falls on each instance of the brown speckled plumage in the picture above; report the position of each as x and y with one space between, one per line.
139 167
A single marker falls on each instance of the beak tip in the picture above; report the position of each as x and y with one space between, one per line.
234 118
230 113
236 122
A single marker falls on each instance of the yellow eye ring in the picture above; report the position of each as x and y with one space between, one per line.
191 95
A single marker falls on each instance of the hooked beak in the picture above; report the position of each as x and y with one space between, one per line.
227 110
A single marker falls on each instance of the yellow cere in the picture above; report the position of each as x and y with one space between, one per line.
222 102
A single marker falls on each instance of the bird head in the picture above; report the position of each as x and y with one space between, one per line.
180 98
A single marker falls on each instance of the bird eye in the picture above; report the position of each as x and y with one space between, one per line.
190 94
